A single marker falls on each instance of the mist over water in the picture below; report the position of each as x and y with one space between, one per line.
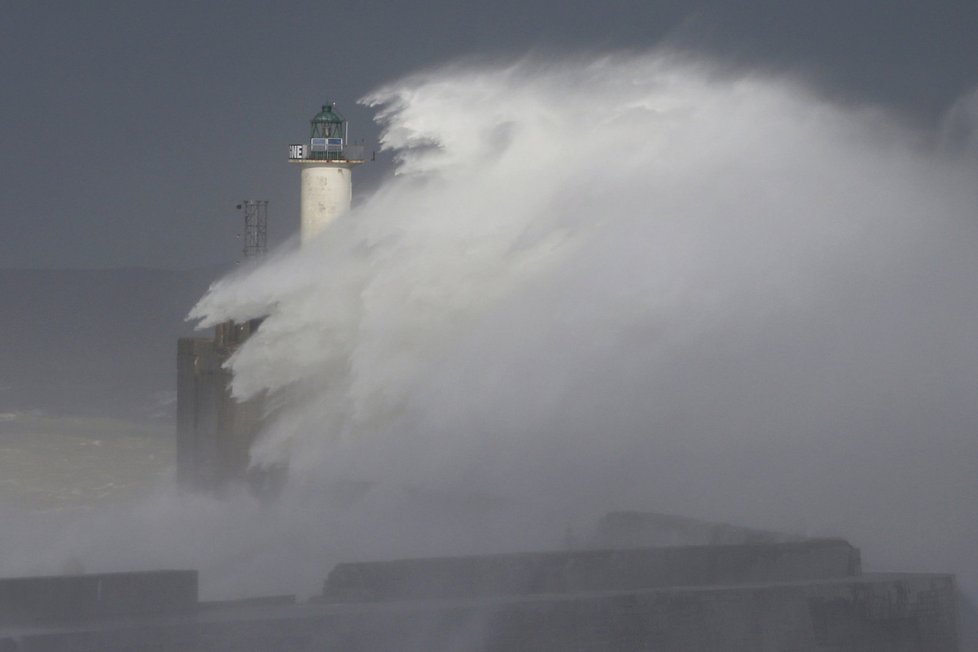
637 281
642 281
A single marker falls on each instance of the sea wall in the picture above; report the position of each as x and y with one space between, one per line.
900 613
590 570
80 597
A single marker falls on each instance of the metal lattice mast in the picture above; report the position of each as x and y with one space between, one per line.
255 227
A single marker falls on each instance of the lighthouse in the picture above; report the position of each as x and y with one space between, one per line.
326 161
215 431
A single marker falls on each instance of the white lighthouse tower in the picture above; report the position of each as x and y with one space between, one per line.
327 161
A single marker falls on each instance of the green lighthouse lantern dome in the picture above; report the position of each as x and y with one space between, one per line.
328 136
328 123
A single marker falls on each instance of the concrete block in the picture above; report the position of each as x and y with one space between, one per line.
590 570
78 597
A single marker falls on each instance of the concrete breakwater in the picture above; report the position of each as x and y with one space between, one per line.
806 596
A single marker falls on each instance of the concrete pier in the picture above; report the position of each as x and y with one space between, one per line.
804 597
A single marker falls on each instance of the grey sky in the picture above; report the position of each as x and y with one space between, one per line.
129 131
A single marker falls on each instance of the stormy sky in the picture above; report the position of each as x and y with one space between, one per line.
774 302
129 131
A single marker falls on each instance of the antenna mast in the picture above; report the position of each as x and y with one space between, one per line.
255 228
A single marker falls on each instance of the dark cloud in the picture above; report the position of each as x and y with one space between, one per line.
130 131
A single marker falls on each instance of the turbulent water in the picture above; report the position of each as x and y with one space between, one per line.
642 281
638 278
636 281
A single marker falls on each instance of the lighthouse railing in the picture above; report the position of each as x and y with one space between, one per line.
353 152
302 152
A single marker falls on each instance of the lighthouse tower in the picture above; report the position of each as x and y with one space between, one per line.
327 161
